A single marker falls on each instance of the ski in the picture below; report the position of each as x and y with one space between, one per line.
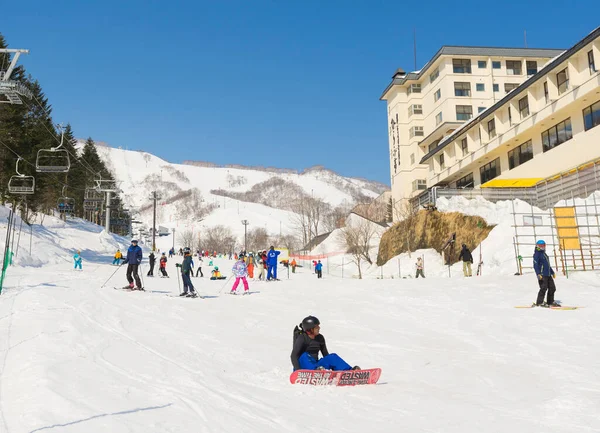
128 289
562 307
335 378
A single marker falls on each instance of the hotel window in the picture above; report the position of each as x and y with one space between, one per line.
464 146
438 118
524 107
482 64
556 135
491 127
481 109
520 155
531 67
513 67
465 182
464 112
437 95
413 88
490 170
591 62
562 81
412 158
480 87
496 87
496 65
434 75
419 184
434 145
415 109
546 94
416 131
461 66
591 116
442 162
462 89
509 87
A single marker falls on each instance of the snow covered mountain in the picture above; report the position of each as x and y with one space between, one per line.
200 195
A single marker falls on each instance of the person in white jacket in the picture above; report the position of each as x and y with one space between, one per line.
240 271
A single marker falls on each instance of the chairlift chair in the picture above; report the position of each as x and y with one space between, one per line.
65 205
21 184
53 160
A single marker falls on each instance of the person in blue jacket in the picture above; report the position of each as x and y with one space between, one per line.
133 260
77 260
272 263
545 275
319 269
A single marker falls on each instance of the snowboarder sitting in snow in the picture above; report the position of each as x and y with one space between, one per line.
133 260
118 257
163 265
240 272
545 275
467 259
308 342
77 260
216 274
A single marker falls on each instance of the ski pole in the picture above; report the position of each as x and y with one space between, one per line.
142 275
226 282
113 274
178 283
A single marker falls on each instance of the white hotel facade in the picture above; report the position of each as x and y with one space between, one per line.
476 114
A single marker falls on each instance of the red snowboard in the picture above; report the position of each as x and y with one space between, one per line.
336 378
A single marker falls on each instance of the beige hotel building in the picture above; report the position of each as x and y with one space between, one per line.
477 114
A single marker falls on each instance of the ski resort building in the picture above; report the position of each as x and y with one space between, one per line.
474 115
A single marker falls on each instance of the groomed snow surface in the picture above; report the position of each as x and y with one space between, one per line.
456 356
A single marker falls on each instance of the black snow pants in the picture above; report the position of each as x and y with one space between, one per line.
199 271
546 284
151 271
133 269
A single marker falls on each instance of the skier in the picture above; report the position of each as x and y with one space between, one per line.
250 264
199 270
319 269
133 260
308 342
118 257
545 275
272 263
163 265
152 260
419 265
260 267
294 264
467 259
240 271
77 260
186 269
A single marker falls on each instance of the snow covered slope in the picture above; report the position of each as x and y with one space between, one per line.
456 358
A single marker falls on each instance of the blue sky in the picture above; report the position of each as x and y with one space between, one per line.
276 83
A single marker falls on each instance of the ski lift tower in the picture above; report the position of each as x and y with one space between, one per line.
12 90
108 187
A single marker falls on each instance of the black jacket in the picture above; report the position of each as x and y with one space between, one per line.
465 255
304 343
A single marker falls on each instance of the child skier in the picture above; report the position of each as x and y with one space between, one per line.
77 260
545 275
186 270
118 257
163 265
250 264
240 271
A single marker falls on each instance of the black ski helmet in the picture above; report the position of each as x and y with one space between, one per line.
134 241
309 323
186 250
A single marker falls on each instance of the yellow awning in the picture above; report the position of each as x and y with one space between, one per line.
512 183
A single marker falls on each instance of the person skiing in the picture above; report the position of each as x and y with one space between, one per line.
294 264
199 270
250 265
308 342
118 257
77 260
467 258
319 269
163 265
240 272
272 263
419 266
545 275
260 267
133 260
152 260
186 270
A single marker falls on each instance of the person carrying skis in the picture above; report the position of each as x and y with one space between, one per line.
77 260
272 263
545 275
152 260
308 342
186 270
118 257
467 258
419 266
163 265
133 260
240 272
319 269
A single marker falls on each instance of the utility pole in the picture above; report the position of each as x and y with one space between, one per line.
154 197
245 222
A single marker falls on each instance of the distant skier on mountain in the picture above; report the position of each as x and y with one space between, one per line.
545 275
308 342
77 260
152 260
467 258
272 263
133 260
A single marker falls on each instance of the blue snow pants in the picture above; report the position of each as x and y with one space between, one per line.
272 272
77 264
116 261
187 283
329 362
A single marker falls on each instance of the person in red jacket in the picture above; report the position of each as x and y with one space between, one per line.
163 265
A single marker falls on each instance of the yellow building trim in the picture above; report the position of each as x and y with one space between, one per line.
512 183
